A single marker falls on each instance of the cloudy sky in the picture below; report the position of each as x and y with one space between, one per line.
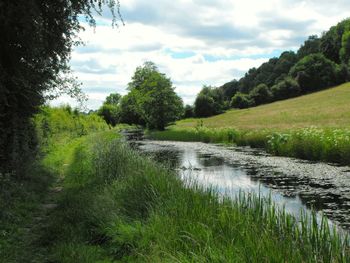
195 42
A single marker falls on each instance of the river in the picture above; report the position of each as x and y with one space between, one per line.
294 184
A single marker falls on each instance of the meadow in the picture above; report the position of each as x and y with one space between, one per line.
329 108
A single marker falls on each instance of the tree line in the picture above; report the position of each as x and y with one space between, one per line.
319 63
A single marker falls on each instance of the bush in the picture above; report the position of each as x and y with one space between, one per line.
261 94
314 72
241 101
287 88
204 106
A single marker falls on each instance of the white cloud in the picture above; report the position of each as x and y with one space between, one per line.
195 42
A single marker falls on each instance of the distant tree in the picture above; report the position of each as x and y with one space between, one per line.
314 72
345 48
229 89
109 111
189 111
285 89
310 46
113 99
261 94
204 106
129 111
241 101
331 41
158 104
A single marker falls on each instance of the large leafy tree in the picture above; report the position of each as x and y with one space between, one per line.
157 102
36 40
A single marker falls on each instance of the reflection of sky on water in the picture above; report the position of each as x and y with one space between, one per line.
208 169
212 171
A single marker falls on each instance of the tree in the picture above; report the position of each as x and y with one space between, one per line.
287 88
260 94
314 72
113 99
37 37
311 46
157 102
204 106
109 111
129 111
241 101
188 111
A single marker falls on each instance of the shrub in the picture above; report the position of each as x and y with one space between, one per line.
285 89
241 101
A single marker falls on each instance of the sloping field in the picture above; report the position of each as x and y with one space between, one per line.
327 108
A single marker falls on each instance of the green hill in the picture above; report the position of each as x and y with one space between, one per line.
327 108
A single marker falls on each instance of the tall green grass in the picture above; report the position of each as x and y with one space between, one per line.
120 206
330 145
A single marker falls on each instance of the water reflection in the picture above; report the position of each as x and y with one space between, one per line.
291 192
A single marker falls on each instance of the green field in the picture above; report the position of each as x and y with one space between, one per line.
327 108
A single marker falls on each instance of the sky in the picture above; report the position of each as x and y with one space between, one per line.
194 42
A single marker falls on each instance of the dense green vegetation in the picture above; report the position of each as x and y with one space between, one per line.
22 219
289 128
119 206
151 101
321 62
36 41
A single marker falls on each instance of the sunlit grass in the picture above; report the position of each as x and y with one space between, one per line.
328 108
120 206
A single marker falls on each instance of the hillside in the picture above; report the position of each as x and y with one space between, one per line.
327 108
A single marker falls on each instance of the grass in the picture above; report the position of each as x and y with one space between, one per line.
313 127
325 109
118 206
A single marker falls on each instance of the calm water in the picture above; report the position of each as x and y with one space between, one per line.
294 184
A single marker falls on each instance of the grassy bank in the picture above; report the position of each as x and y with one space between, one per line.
325 109
120 206
22 217
329 145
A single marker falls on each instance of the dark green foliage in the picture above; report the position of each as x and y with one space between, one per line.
113 99
37 37
188 111
129 111
314 72
110 109
109 113
261 94
310 46
229 89
241 101
345 48
204 106
287 88
331 41
210 101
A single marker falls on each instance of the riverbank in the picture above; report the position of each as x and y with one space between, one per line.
316 144
118 205
312 127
